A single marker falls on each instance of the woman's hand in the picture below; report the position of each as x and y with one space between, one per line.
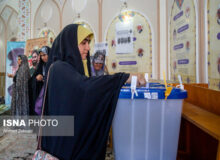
39 77
140 79
10 75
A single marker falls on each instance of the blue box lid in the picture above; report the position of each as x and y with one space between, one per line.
155 91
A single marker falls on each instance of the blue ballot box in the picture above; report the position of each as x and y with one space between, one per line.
147 127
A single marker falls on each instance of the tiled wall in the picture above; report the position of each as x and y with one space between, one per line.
2 84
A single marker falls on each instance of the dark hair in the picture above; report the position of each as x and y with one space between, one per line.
35 51
20 56
97 55
45 49
13 54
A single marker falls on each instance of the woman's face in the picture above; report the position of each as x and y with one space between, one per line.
84 48
44 57
19 61
98 66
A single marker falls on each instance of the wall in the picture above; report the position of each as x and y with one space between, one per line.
9 29
148 8
201 37
54 22
157 11
12 3
163 39
90 14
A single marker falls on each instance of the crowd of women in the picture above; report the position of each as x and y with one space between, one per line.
70 90
28 83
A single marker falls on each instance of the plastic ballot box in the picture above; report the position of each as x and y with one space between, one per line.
147 126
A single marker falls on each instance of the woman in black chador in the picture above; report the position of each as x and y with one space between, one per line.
72 91
38 78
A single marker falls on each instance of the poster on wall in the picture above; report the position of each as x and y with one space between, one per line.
183 41
124 36
14 49
98 59
33 44
129 39
213 12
